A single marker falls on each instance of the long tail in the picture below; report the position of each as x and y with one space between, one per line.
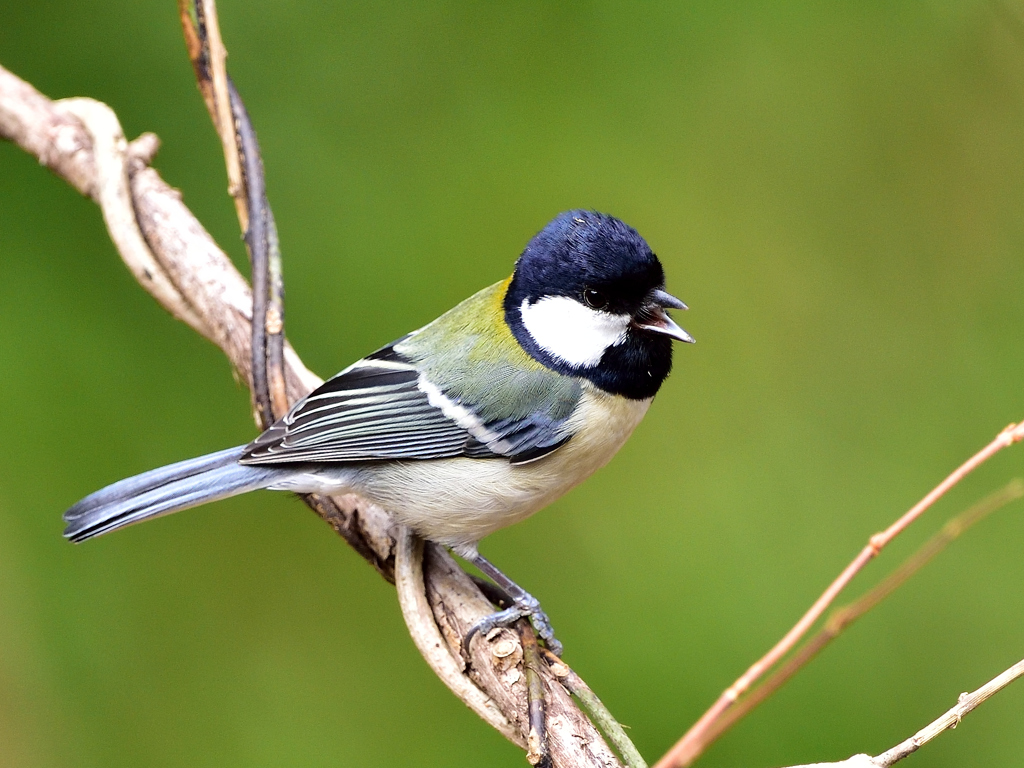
163 491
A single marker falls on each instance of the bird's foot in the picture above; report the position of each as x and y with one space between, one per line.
523 606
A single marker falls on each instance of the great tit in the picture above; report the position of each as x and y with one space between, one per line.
471 423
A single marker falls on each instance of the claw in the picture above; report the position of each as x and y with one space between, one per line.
527 607
523 605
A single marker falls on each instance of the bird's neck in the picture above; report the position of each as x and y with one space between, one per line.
635 367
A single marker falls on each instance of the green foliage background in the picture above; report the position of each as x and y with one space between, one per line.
835 189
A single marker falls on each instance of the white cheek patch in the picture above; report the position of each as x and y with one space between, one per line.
570 331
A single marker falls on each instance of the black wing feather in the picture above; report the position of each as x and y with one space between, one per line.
376 411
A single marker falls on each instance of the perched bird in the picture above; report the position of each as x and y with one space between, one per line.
471 423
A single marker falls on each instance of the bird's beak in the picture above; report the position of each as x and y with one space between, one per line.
655 319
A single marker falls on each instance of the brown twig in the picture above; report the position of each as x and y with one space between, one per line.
570 734
537 738
843 617
212 74
686 750
423 629
273 321
256 241
188 15
248 188
204 280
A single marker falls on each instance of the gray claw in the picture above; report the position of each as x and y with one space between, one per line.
524 608
523 605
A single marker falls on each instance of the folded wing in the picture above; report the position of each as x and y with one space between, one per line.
382 408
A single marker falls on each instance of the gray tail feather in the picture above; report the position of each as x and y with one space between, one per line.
163 491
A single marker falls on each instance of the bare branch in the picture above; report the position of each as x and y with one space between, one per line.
419 618
57 139
572 739
537 741
689 747
843 617
219 302
950 719
247 186
219 101
597 711
946 722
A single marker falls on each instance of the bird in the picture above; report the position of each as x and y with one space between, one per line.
469 424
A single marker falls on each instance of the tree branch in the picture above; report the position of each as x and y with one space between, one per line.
695 740
174 258
843 617
207 291
949 720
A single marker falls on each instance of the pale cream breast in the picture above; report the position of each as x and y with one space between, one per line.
461 500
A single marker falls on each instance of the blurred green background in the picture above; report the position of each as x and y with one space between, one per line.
835 189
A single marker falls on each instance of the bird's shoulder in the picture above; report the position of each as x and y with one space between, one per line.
471 355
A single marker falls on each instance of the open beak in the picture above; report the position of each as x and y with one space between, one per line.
653 317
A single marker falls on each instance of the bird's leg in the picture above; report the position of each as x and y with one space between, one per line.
523 605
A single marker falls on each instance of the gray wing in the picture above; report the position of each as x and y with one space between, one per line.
377 410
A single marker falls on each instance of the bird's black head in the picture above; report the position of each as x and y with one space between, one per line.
588 299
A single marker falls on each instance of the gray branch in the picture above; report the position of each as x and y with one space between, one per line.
177 261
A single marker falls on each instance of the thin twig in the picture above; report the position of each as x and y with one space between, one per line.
687 748
274 321
948 721
537 738
843 617
248 188
188 14
257 245
951 718
216 59
596 710
569 731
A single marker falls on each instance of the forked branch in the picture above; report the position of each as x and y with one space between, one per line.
173 257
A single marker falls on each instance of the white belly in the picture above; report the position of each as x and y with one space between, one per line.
461 500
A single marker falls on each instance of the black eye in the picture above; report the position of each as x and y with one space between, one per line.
595 298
